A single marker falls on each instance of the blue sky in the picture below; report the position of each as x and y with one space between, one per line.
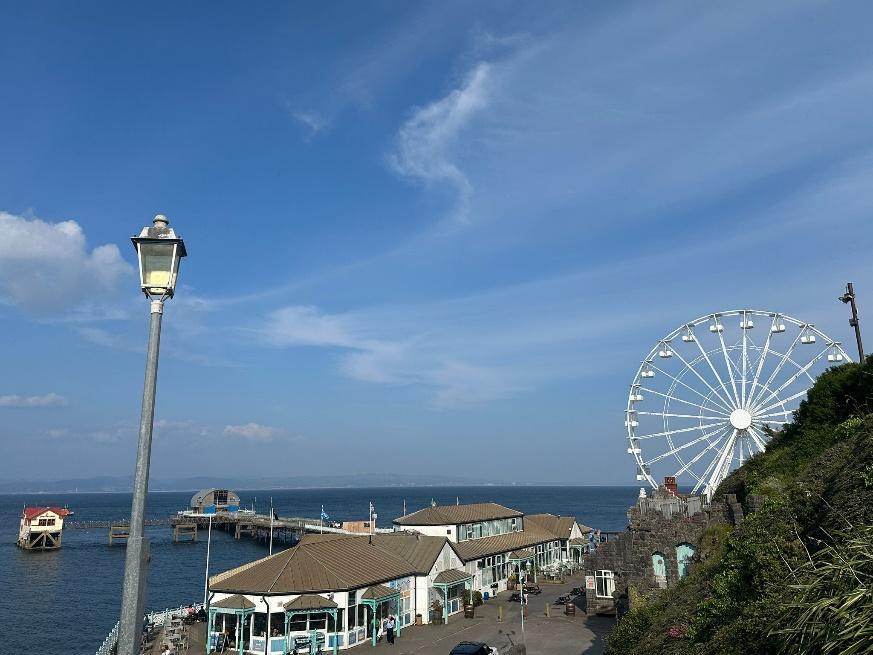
424 237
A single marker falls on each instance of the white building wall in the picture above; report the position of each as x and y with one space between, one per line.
450 532
447 559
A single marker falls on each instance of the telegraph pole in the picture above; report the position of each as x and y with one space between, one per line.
849 298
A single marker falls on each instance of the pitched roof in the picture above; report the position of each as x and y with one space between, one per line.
522 553
235 602
457 514
336 562
33 512
560 526
310 602
532 535
379 591
451 576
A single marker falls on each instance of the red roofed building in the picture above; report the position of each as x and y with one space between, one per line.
41 527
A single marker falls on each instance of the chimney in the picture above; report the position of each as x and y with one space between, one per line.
670 485
370 540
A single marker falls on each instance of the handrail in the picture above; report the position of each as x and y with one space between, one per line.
110 644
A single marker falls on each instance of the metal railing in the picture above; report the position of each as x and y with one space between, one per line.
154 618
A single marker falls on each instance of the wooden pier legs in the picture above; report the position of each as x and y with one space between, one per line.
184 532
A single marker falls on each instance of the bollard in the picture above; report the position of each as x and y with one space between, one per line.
548 609
500 613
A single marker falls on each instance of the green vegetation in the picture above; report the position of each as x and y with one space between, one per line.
797 575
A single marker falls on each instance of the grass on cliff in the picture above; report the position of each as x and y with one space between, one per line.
795 576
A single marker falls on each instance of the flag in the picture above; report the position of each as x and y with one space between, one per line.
275 515
324 516
432 502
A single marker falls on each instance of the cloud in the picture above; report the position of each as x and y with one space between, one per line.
312 120
46 400
424 149
303 325
46 268
252 431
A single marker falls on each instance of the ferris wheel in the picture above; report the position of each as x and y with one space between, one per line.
701 398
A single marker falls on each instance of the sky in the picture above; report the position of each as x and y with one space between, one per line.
424 238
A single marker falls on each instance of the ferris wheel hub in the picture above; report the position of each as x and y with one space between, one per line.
741 419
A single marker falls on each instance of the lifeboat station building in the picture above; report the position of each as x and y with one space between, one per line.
337 589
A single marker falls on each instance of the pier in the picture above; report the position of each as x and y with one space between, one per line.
186 526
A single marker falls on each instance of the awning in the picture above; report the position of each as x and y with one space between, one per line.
451 576
521 555
235 602
309 602
378 592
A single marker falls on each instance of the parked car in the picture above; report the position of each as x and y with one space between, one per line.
473 648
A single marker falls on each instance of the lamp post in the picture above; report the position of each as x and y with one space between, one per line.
849 297
159 251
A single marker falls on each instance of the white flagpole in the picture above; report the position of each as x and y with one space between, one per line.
208 546
271 525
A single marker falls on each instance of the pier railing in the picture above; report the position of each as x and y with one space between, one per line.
109 645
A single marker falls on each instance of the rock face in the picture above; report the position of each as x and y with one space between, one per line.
663 535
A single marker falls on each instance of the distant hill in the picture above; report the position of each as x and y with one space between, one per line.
125 483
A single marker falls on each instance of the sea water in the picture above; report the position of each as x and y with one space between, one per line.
67 601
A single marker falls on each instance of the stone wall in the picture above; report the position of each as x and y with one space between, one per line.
657 524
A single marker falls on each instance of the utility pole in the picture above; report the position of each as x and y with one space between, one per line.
849 298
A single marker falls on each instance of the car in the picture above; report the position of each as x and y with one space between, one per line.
473 648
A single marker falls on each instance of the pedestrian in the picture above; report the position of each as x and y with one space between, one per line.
389 628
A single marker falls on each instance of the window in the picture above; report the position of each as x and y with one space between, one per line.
297 623
659 567
317 621
352 616
604 583
684 554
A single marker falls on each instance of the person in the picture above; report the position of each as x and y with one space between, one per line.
166 650
390 624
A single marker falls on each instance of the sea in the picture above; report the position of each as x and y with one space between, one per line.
67 601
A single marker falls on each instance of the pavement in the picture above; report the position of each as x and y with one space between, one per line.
556 634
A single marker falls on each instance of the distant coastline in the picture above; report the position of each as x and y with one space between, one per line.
123 484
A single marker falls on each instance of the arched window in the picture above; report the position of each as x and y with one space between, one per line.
659 565
684 553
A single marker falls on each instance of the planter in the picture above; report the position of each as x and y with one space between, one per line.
418 619
436 618
469 612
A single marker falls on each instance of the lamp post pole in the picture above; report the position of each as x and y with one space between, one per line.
849 297
136 561
158 251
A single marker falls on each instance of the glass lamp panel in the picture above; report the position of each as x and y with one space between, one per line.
157 266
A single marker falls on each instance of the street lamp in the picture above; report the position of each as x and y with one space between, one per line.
849 298
159 251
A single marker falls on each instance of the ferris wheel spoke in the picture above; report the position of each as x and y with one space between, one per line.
726 457
782 402
790 381
727 403
675 379
745 332
702 480
784 412
762 358
686 402
727 363
759 441
672 432
703 352
755 400
677 449
687 465
694 416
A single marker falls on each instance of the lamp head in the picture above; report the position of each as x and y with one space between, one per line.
159 251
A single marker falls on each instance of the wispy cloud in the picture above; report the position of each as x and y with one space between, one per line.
313 121
47 268
46 400
425 141
253 432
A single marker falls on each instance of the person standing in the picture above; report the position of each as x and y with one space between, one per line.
389 628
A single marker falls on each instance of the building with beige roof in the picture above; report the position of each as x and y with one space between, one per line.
338 588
